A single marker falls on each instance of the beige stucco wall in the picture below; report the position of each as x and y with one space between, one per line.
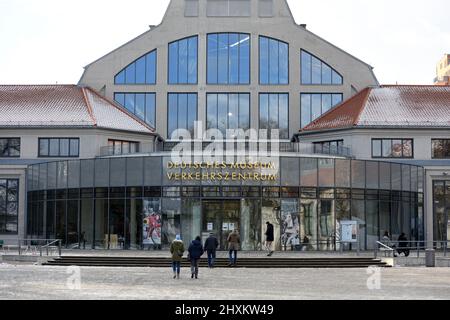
100 74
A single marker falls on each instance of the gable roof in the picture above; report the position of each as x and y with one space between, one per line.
60 106
389 106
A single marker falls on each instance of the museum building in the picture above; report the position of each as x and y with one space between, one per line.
92 164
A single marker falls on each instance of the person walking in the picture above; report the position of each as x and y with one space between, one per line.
403 245
195 252
234 240
177 251
269 238
210 247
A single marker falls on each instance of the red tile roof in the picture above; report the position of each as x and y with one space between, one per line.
63 106
389 106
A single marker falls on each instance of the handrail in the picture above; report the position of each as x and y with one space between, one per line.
28 244
419 245
49 244
378 243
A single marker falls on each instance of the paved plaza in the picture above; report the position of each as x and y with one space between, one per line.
39 282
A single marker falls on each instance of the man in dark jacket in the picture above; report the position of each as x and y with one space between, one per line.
195 252
269 238
403 245
211 245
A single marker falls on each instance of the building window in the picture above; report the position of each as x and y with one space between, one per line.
228 58
143 105
9 206
183 60
141 71
315 71
392 148
118 147
313 105
274 113
59 147
228 111
273 61
328 147
441 148
9 147
182 112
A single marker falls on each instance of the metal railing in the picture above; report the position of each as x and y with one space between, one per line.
35 247
409 246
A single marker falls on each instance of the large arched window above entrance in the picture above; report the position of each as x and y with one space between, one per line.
141 71
316 71
183 61
228 59
273 61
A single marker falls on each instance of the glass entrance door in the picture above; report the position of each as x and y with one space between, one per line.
220 218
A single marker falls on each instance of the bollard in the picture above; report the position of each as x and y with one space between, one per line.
430 258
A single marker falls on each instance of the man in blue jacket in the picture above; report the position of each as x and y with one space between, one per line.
195 252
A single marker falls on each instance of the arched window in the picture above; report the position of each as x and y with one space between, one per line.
141 71
315 71
183 61
273 61
228 60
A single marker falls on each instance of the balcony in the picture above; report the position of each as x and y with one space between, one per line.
281 147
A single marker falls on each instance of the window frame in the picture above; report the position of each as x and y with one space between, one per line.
59 147
228 107
229 83
432 149
8 144
392 139
288 111
178 83
288 62
114 141
169 134
145 105
135 71
321 72
311 94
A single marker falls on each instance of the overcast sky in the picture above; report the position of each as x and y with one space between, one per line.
50 41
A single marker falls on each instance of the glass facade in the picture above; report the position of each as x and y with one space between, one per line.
441 197
316 72
228 111
143 105
141 71
273 61
228 60
313 105
182 112
130 203
183 61
274 113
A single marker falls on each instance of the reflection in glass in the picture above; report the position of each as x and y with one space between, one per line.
250 222
171 217
290 225
308 224
358 214
183 61
273 61
271 212
327 235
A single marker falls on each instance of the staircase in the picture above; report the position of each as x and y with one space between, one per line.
149 262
